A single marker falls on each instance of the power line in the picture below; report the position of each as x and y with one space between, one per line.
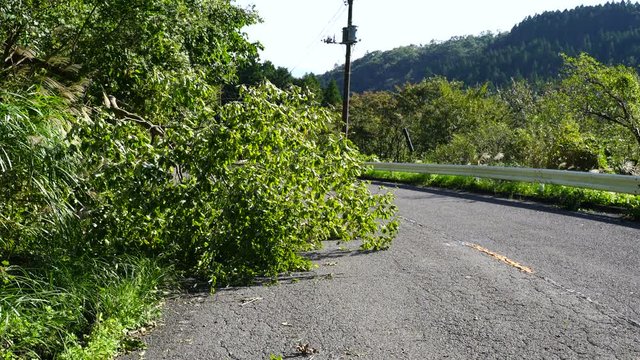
315 43
333 19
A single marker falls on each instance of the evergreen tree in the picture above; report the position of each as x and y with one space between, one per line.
331 95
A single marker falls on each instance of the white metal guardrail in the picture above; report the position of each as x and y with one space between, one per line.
616 183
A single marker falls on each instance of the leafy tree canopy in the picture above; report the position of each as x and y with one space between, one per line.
606 93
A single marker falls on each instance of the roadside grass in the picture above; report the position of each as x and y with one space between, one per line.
567 197
81 309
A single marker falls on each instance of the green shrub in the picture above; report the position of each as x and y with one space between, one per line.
261 182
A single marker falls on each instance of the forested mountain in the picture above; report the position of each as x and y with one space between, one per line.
531 50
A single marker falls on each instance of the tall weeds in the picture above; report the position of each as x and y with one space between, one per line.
76 310
37 173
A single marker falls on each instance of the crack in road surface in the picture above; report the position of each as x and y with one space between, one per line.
612 312
502 258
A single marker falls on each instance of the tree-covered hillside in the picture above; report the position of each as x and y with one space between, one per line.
531 50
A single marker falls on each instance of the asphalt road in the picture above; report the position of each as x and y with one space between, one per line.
469 276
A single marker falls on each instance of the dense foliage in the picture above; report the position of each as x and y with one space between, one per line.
122 161
586 121
530 51
236 197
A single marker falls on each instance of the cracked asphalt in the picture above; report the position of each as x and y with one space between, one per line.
432 295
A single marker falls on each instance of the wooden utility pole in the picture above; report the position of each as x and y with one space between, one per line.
348 39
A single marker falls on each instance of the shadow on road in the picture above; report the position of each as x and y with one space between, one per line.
331 250
334 253
535 205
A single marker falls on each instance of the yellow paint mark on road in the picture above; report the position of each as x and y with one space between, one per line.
502 258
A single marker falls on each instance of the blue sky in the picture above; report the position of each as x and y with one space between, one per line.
293 29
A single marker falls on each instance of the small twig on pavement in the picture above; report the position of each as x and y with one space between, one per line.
248 301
